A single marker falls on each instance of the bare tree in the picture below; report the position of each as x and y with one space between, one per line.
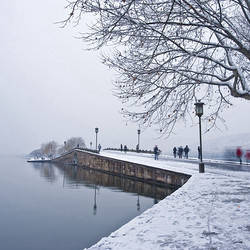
74 142
52 148
49 149
36 153
169 54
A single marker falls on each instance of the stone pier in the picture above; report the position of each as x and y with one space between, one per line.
91 160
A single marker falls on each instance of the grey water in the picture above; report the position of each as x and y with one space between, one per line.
47 206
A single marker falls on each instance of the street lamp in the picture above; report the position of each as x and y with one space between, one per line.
199 113
96 131
138 145
64 146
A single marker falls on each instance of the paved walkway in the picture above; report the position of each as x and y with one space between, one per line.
211 211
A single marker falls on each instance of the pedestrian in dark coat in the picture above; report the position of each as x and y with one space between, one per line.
137 148
99 147
199 152
125 149
180 152
156 152
174 151
186 150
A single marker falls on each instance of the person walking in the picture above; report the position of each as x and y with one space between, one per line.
180 152
199 152
247 156
174 151
125 149
156 152
239 154
99 147
186 150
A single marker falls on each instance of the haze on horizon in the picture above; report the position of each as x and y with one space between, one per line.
51 89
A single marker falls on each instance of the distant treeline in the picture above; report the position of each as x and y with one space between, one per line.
52 149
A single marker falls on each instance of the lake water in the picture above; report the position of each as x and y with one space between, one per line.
47 206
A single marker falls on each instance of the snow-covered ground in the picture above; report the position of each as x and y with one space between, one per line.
211 211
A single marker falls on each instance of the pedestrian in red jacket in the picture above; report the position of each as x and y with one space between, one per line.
239 154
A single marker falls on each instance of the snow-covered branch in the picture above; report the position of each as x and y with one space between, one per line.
168 54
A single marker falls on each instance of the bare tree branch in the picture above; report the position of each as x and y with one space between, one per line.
169 53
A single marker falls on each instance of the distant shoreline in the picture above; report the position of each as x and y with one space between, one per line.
39 160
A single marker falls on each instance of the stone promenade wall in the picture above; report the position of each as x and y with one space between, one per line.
148 174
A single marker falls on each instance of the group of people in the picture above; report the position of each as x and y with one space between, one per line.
239 154
176 152
179 152
125 148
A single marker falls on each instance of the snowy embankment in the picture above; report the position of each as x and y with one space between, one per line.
211 211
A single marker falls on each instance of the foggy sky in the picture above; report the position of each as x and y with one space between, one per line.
51 89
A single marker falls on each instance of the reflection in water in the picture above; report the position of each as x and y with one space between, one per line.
57 207
46 170
95 205
89 205
75 177
138 202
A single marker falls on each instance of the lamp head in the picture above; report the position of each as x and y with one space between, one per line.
199 108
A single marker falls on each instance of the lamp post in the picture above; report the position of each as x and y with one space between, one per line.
199 113
96 131
138 145
64 146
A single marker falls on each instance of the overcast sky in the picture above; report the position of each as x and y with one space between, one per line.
51 89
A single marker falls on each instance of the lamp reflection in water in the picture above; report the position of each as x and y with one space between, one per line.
95 204
138 203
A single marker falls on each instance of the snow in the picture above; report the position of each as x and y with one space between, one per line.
211 211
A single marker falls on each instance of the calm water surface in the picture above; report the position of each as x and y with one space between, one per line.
47 206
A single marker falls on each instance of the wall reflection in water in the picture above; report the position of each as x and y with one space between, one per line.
75 177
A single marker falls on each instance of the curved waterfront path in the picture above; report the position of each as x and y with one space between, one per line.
227 165
211 211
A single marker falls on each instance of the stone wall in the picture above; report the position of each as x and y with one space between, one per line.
148 174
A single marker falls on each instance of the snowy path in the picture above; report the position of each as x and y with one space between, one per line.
211 211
